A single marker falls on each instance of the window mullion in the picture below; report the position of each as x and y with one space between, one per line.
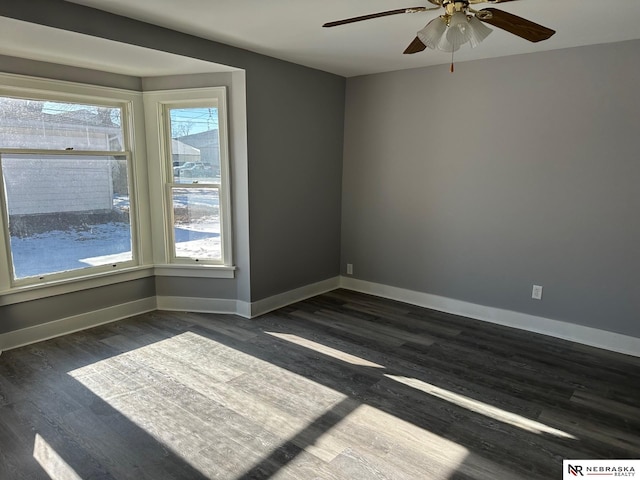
93 153
6 272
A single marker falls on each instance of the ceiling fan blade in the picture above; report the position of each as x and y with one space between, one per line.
415 46
378 15
513 24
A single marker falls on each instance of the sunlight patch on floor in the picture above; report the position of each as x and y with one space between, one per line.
51 462
482 408
401 443
189 392
325 350
204 401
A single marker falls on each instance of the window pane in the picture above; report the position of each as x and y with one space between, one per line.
196 214
66 212
43 125
195 146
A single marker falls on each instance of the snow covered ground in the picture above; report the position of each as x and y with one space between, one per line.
110 243
59 251
104 244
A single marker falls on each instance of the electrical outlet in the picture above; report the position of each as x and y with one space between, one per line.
349 268
536 293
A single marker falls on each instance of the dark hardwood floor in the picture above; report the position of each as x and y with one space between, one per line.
340 386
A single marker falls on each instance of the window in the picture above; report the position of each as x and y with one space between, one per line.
194 168
194 191
66 204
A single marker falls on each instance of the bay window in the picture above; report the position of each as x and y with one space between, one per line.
74 159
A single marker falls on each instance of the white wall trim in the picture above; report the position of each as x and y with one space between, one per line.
246 309
38 333
567 331
243 309
64 326
197 304
195 271
62 287
269 304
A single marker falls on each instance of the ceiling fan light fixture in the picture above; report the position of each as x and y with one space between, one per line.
460 24
448 33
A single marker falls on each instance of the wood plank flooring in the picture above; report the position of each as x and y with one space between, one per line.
340 386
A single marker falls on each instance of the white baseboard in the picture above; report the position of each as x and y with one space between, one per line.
243 309
576 333
269 304
246 309
56 328
567 331
46 331
197 304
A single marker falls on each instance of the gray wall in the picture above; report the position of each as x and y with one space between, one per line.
510 172
295 177
28 314
294 141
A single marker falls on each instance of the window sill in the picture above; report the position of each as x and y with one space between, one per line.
61 287
195 271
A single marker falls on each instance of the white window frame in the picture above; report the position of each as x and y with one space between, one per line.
130 102
157 105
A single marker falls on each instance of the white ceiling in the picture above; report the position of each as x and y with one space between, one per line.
37 42
291 29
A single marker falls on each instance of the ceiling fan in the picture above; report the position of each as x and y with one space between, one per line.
460 24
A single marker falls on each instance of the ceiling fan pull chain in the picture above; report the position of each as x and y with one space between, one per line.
451 67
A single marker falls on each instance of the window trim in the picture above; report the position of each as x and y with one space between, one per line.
19 86
157 105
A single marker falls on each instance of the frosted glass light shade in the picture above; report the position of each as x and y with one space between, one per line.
433 33
479 31
459 31
437 35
